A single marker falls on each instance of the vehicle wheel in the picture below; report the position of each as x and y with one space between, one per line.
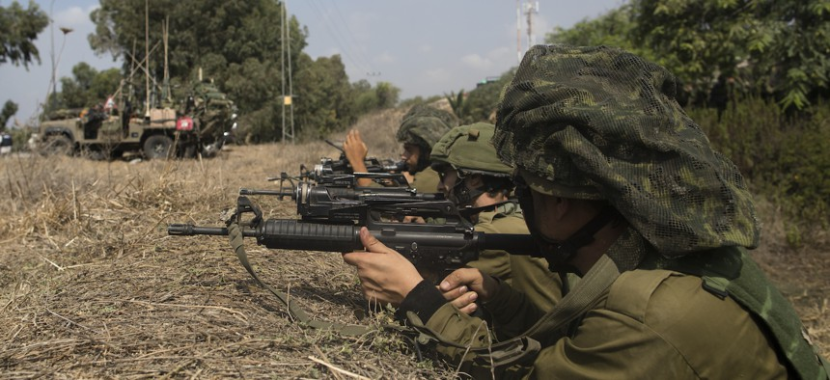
157 146
58 145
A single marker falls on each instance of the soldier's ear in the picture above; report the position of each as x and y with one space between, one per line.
475 181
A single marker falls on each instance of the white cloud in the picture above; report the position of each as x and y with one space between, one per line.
385 57
360 24
74 17
540 29
477 62
425 48
437 75
500 53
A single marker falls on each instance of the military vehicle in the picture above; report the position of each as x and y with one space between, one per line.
202 125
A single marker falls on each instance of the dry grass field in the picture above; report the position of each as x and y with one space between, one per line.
92 287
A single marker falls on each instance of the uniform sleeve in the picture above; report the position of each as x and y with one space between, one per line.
493 262
606 346
426 181
610 345
461 331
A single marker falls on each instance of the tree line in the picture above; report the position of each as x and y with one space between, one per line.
771 48
755 77
236 44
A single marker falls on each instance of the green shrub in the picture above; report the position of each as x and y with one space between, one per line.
785 157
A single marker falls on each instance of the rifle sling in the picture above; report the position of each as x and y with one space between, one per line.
551 327
295 311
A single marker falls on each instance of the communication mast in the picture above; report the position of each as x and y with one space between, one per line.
530 10
519 30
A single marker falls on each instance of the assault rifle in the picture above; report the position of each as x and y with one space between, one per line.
315 201
331 222
339 172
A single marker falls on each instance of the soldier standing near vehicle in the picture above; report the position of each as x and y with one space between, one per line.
620 186
420 128
473 178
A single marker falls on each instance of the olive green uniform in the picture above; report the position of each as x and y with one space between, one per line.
674 296
650 323
425 181
526 274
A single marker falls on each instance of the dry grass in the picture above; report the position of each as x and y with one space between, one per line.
91 286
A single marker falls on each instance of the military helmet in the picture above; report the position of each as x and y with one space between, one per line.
468 149
424 125
601 123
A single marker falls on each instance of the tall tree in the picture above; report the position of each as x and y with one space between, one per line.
238 44
18 30
88 86
9 109
614 28
782 44
324 100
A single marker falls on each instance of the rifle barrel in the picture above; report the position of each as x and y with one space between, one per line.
191 230
286 193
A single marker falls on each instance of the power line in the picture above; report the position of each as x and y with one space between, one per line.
333 34
350 36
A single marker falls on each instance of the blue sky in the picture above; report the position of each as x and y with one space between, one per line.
426 47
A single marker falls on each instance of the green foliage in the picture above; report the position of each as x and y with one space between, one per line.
614 28
325 104
409 103
776 46
480 103
784 157
387 95
18 30
239 45
366 98
87 87
769 47
459 107
20 138
9 109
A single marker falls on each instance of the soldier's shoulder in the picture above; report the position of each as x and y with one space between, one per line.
665 299
499 222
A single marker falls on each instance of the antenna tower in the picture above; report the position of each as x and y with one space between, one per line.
531 8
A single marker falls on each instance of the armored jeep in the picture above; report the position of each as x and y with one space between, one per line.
203 126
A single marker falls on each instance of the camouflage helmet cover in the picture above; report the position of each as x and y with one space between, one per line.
424 125
469 149
604 123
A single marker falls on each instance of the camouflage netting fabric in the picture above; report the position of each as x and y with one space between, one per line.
604 119
469 149
424 125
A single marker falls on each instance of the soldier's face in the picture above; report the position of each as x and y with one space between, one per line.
544 214
411 154
449 177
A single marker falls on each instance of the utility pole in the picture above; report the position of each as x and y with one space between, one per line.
290 74
52 99
530 10
147 57
287 100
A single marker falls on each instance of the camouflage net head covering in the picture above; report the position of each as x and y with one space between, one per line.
601 123
424 125
469 149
